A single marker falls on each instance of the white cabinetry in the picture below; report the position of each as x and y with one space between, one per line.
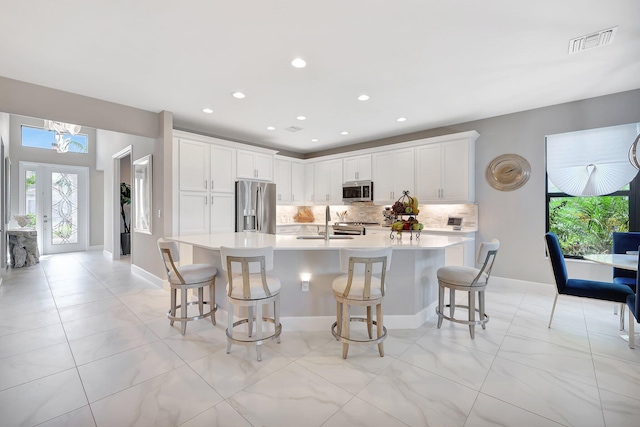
393 173
357 168
193 165
222 177
222 208
206 183
309 183
298 185
253 165
328 182
289 176
445 171
282 178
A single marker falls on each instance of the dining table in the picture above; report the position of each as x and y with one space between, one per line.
627 261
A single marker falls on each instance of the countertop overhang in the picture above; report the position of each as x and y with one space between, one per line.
247 239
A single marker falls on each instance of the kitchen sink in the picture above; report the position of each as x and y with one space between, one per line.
331 237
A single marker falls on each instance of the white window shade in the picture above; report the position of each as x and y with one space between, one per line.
593 162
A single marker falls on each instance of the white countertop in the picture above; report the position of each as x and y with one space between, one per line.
248 239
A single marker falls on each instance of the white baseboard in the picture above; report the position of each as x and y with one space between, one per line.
107 254
96 248
148 276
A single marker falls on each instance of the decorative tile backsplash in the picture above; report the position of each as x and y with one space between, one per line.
432 216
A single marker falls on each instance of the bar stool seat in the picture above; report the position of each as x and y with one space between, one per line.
249 286
470 280
363 285
183 278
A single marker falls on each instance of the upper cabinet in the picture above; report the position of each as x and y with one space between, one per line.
205 167
328 182
445 171
193 166
393 173
254 165
289 176
282 178
357 168
222 178
298 185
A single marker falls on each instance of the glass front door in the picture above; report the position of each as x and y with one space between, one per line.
56 198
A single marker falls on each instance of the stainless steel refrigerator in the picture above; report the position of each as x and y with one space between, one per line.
256 206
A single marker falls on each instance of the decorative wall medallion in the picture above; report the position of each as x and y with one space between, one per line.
508 172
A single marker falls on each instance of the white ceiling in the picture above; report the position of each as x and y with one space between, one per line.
435 62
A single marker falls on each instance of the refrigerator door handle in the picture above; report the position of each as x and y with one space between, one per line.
260 209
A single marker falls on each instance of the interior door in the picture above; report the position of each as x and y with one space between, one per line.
64 209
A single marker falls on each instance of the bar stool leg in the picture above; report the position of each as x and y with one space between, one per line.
452 302
472 312
338 318
259 330
380 331
369 321
201 300
440 305
276 316
482 308
345 328
229 325
212 299
183 310
250 322
173 304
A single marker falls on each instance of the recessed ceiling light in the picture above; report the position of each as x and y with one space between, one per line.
363 97
314 140
238 95
299 63
401 119
301 118
344 133
207 110
270 128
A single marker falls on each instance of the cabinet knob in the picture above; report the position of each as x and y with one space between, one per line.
205 184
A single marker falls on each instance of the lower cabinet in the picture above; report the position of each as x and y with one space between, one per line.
206 213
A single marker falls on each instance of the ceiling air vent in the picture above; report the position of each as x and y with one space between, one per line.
293 128
600 38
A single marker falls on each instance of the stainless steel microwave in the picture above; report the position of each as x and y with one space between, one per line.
357 191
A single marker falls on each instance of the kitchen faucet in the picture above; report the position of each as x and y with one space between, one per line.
327 218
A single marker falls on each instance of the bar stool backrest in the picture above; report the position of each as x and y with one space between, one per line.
170 255
367 263
486 256
248 261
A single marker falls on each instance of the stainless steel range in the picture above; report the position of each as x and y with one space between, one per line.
351 227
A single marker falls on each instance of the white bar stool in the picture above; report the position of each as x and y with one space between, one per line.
249 286
470 280
363 285
183 278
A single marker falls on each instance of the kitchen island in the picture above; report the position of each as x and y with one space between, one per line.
411 285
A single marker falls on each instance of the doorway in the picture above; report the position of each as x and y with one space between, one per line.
56 199
121 206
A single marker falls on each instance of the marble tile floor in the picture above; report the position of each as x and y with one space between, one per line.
83 342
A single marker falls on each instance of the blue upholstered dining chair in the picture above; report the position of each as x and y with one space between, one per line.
633 302
623 242
580 287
